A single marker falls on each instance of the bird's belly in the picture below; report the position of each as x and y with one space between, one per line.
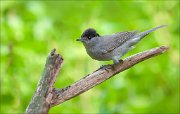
98 55
117 52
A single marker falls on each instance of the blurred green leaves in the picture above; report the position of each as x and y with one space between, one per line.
30 29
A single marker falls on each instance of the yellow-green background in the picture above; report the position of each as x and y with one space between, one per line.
31 29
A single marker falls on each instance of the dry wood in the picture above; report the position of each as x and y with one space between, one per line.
46 96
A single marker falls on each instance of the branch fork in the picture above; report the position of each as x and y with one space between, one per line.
46 96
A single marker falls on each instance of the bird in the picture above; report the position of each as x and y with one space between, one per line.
111 47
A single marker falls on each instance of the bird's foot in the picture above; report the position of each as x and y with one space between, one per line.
109 66
120 61
106 67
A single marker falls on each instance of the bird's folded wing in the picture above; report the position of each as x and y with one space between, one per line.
116 40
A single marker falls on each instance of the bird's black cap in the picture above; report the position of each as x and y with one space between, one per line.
90 33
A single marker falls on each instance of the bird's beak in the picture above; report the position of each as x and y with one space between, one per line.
79 39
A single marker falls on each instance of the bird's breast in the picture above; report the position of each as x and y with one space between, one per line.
96 54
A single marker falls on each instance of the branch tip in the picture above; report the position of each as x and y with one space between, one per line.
53 52
164 48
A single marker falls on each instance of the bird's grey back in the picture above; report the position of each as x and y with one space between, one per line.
110 42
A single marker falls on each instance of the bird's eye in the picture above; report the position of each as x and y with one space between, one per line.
89 37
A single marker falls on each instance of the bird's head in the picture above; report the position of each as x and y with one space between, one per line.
87 35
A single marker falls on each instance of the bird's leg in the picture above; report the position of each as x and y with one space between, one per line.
105 66
110 66
116 60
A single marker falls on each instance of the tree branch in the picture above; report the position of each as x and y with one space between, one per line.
46 96
40 103
100 75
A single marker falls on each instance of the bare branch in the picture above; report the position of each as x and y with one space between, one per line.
40 103
46 96
100 75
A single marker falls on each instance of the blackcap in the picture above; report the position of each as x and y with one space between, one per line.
111 47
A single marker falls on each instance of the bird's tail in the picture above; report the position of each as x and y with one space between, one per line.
143 34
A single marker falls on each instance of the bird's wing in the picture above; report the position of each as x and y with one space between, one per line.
113 41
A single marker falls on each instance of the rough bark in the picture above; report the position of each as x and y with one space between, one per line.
46 96
40 102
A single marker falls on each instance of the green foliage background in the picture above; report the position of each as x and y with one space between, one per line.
30 30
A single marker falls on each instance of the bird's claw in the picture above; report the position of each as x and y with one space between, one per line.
120 61
106 67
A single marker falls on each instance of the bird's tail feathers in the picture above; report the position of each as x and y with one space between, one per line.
143 34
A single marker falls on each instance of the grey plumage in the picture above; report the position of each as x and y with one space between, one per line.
111 47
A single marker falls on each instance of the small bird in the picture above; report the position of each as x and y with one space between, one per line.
111 47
